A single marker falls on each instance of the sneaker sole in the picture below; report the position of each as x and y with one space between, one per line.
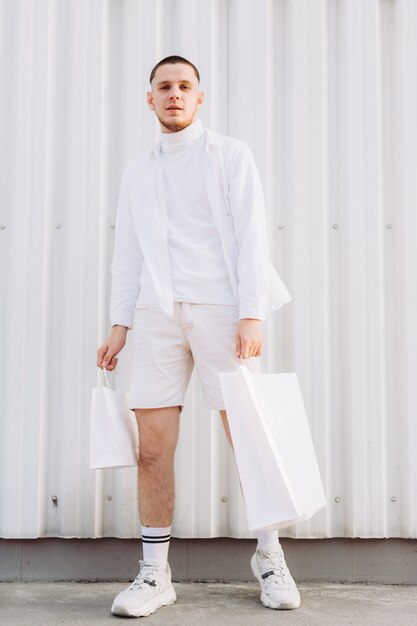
295 604
165 599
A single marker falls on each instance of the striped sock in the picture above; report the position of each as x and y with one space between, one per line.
266 536
155 543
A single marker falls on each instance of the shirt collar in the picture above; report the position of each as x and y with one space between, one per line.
181 138
212 138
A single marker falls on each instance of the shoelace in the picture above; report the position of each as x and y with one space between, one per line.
146 575
276 565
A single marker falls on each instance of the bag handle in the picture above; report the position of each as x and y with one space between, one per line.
107 380
261 362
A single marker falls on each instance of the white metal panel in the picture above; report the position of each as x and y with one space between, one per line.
325 93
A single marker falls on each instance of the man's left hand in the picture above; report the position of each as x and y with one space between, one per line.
248 338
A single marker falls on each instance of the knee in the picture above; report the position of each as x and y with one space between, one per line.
151 454
158 434
154 449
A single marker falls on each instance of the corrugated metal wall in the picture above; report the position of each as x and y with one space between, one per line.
325 92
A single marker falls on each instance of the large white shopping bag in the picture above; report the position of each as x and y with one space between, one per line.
113 429
274 450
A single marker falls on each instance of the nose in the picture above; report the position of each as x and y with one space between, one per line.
175 92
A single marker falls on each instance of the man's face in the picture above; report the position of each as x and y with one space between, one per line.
175 97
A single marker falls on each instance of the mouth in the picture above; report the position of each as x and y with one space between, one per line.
174 109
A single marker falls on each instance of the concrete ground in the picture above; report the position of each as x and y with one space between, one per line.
217 604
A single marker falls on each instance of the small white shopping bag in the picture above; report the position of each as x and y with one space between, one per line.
113 429
274 450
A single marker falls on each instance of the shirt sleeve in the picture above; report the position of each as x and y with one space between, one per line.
127 262
247 206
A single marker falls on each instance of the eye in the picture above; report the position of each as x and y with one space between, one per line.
185 87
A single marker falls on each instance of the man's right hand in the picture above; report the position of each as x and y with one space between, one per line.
106 354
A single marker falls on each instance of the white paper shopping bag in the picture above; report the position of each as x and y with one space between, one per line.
274 450
113 430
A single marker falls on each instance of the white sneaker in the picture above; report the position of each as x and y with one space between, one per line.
151 589
278 589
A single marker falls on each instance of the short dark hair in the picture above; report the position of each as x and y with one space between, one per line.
173 59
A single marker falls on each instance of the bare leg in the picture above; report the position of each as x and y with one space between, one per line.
158 436
226 427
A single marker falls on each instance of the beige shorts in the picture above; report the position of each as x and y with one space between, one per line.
167 347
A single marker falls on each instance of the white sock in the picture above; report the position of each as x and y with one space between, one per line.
266 536
155 543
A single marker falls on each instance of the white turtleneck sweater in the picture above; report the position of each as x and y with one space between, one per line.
198 268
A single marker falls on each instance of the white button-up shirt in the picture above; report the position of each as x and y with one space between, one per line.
238 208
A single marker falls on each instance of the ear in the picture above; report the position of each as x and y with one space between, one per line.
200 98
149 99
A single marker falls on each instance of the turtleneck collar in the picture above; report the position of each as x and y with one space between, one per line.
182 138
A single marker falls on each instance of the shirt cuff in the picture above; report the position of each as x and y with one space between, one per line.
122 319
251 312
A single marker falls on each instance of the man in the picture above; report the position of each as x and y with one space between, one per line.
191 277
